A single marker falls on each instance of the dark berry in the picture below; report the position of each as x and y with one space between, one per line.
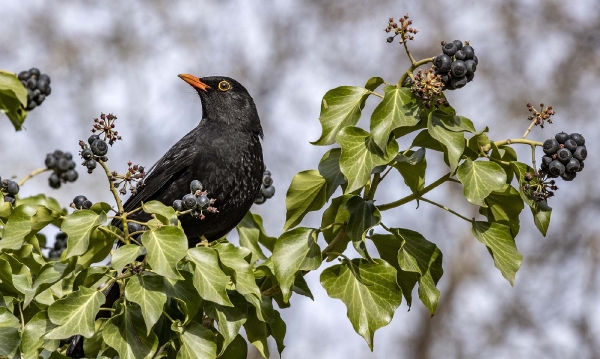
572 166
23 75
36 94
570 145
50 161
546 160
578 138
10 199
458 43
460 55
189 201
450 48
71 176
91 164
54 181
202 201
580 153
78 201
268 192
469 52
87 154
58 154
568 176
476 59
267 181
87 204
556 168
178 205
562 137
260 199
93 138
550 146
390 39
563 155
458 68
458 82
34 72
48 91
32 83
99 147
445 78
40 99
266 173
4 184
581 165
195 185
471 66
62 165
43 85
31 105
470 77
443 62
12 188
133 227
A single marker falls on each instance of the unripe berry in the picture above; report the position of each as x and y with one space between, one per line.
580 153
563 155
550 146
572 166
578 138
458 68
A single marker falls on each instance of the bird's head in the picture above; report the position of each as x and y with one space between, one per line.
226 100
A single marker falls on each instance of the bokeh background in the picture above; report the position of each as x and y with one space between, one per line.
123 57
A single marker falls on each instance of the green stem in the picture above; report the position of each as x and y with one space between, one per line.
115 193
446 209
19 304
515 140
374 184
412 197
335 242
534 165
529 128
413 67
102 228
376 94
331 225
32 174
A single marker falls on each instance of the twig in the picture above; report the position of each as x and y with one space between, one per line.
412 68
446 209
412 197
115 193
32 174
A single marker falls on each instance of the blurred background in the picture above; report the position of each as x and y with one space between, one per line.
124 57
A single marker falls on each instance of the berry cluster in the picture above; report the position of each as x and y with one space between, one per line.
541 190
9 189
63 167
106 125
564 156
428 86
37 85
457 65
267 190
60 244
81 202
96 151
195 202
403 29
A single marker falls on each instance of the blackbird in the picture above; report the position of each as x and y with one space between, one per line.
223 152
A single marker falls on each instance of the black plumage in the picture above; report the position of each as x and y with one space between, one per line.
223 152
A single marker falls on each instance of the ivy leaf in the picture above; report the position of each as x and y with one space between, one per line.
452 142
504 207
307 192
505 154
13 98
360 155
336 213
17 227
9 332
277 330
399 108
294 251
165 214
51 273
42 200
340 107
373 83
252 232
234 265
329 168
5 210
209 279
229 319
479 179
238 349
501 246
33 335
9 82
148 293
126 333
165 246
541 211
412 169
78 226
363 216
101 243
124 255
89 277
369 291
185 293
197 342
424 140
75 314
455 123
257 332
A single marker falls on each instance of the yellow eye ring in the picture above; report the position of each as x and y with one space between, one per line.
224 86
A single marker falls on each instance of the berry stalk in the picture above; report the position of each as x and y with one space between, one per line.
32 174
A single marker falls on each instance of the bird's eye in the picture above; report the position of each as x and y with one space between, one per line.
224 86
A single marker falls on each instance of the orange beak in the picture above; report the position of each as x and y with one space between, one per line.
194 81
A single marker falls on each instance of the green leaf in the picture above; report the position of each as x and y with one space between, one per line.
78 226
229 319
165 247
9 332
238 349
33 335
9 82
340 107
277 330
373 83
126 333
251 233
369 291
399 108
197 342
424 139
165 214
452 142
480 178
257 332
6 279
541 211
412 169
360 155
42 200
501 246
185 293
504 207
101 243
234 265
506 154
13 109
209 279
5 210
148 293
294 251
90 277
17 227
52 273
75 314
455 123
307 193
336 213
363 216
329 168
124 255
